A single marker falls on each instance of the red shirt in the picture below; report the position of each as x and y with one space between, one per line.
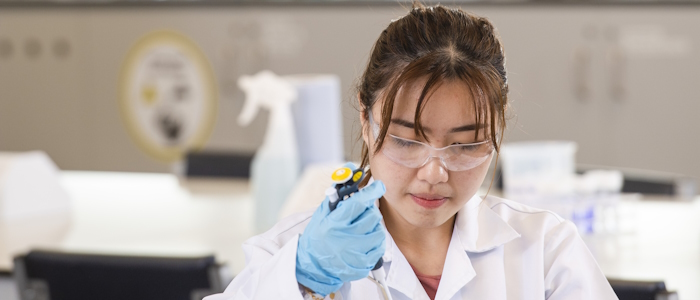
430 283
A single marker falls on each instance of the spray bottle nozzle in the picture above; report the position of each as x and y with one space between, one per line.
264 89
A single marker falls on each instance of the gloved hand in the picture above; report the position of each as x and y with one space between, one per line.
342 245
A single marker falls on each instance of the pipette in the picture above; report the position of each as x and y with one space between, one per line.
347 182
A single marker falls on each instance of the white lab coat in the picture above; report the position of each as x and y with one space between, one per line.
500 249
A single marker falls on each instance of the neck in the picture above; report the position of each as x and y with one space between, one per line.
425 248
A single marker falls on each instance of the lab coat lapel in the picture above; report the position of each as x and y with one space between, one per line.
477 235
457 272
490 281
401 276
480 229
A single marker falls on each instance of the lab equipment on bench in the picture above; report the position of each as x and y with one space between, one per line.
275 166
30 186
318 121
536 170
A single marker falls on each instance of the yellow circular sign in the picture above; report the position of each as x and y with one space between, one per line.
168 95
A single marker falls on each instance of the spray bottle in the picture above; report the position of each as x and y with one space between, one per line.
275 166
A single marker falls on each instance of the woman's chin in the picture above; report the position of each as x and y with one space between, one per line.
426 220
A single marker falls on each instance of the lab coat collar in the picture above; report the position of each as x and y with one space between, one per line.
480 229
400 276
477 229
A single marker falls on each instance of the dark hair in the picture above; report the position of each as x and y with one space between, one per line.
437 43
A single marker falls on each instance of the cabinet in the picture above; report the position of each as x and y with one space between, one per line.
620 81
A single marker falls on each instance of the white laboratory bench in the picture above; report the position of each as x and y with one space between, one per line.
139 214
659 240
158 214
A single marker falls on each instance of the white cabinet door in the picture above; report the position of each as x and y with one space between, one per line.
620 81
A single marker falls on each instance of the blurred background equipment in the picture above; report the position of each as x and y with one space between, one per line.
318 119
533 170
543 174
29 186
639 290
217 164
44 275
303 129
275 166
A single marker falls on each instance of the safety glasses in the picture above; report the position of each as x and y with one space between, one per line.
415 154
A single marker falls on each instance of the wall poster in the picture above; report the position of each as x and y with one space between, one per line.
168 95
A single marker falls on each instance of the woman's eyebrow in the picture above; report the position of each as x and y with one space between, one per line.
411 125
406 124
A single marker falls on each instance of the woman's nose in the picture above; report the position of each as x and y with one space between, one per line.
433 171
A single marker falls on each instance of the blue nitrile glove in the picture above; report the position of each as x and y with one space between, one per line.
342 245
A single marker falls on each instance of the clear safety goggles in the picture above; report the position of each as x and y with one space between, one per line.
415 154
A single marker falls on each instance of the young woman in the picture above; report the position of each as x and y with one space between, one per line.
433 100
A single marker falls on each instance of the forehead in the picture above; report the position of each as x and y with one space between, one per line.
450 102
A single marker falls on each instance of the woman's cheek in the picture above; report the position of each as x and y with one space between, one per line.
395 181
393 186
467 183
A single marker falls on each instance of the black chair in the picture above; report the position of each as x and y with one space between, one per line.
641 290
45 275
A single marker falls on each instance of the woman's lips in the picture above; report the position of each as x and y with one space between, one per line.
429 201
